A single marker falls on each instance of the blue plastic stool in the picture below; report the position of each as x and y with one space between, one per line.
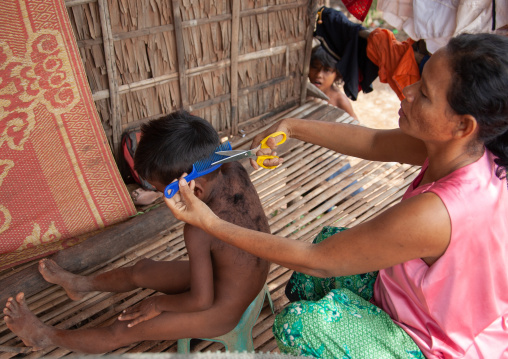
240 338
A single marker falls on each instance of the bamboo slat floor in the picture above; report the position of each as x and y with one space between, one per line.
299 201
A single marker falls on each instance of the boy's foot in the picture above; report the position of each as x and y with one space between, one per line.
22 322
143 197
55 274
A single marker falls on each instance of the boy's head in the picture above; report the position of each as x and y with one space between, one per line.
170 145
322 71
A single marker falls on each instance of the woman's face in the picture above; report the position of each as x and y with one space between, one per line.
425 112
321 76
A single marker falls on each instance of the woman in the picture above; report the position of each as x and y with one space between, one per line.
442 252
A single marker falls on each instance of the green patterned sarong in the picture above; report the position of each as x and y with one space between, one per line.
333 318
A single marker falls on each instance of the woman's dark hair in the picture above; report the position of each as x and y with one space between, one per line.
170 145
479 64
319 54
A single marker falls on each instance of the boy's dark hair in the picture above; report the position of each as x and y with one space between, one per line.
170 145
319 54
479 65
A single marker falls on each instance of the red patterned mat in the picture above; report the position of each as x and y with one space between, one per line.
58 178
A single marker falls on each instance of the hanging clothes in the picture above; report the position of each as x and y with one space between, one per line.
395 59
358 8
339 37
436 21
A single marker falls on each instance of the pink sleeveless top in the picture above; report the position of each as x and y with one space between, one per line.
458 307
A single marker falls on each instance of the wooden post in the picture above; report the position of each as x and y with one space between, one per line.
180 49
311 16
287 61
235 30
114 96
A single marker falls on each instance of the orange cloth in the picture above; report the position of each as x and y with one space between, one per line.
58 178
395 59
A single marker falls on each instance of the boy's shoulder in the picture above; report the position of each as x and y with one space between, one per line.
236 200
338 95
234 181
236 173
340 100
238 181
234 167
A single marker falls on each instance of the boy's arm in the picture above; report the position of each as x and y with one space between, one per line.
199 243
201 293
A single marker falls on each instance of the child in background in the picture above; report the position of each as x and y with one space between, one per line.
323 74
202 297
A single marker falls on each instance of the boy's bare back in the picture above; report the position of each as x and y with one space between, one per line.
238 276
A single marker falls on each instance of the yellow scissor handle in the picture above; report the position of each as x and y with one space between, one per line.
261 159
275 134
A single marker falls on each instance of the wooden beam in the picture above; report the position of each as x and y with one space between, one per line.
180 50
311 16
70 3
109 54
272 8
235 33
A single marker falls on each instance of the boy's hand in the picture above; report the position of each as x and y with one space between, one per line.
141 312
187 207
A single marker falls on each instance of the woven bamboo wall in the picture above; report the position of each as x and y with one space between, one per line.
229 61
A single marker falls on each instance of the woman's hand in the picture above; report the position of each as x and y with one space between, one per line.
187 207
141 312
272 143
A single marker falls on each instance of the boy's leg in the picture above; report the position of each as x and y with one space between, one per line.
341 325
164 276
166 326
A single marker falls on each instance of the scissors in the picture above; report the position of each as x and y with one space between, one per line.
236 155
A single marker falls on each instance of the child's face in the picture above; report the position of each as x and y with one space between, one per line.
321 76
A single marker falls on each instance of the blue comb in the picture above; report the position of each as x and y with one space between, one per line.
199 168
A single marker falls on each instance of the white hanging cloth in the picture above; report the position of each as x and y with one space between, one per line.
436 21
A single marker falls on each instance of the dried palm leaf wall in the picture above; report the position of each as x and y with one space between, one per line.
229 61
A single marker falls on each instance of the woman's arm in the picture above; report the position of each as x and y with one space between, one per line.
416 228
353 140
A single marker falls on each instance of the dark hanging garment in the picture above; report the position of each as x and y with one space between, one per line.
339 37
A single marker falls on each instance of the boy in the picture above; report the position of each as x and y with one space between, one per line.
323 74
205 296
